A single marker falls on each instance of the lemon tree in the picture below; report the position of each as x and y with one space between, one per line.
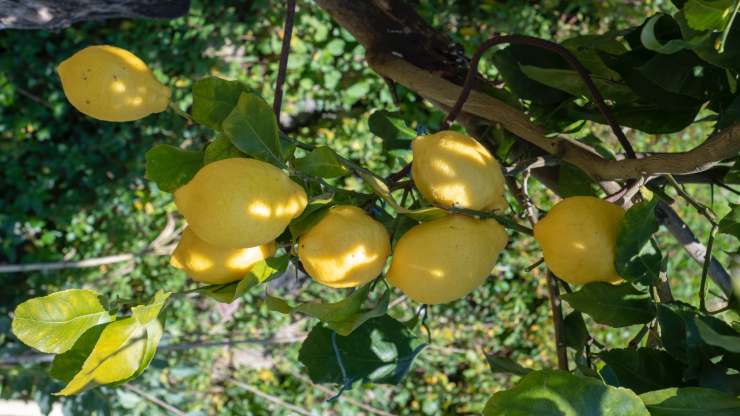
256 203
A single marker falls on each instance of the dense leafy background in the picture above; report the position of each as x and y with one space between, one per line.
74 188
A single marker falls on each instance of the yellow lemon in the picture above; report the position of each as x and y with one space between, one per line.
240 202
206 263
112 84
579 237
453 170
444 259
346 248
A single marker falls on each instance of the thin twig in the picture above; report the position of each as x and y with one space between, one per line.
497 39
705 268
164 405
269 397
346 399
284 53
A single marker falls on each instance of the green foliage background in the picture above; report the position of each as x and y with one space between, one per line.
74 188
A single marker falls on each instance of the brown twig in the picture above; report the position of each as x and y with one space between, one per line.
497 39
284 53
705 268
164 405
269 397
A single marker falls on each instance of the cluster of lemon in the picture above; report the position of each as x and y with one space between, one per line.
236 208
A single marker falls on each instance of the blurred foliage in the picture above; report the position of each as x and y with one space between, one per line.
73 188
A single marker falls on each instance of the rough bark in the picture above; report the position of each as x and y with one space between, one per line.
57 14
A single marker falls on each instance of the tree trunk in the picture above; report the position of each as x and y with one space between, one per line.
57 14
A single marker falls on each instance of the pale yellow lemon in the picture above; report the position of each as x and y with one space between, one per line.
112 84
207 263
454 170
346 248
240 202
443 260
578 238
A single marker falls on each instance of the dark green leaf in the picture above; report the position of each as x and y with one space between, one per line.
645 268
585 48
558 393
505 365
322 162
170 167
643 369
690 401
344 316
392 129
637 226
508 61
613 305
576 333
213 100
570 81
253 129
261 272
730 224
219 149
380 351
708 14
728 341
572 181
317 208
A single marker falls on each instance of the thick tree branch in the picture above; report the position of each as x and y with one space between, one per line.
402 47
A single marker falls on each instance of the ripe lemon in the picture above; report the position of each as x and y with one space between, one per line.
206 263
240 202
346 248
112 84
453 170
444 259
579 237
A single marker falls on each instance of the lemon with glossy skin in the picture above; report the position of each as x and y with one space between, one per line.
454 170
346 248
206 263
112 84
579 238
443 260
240 202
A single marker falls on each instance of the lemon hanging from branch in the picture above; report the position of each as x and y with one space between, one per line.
453 170
443 260
240 202
112 84
347 248
207 263
579 239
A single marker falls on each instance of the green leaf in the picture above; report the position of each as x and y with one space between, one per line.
728 342
576 333
613 305
643 369
558 393
261 272
253 129
645 268
342 317
381 351
690 401
637 226
322 162
213 100
730 224
391 127
170 167
317 208
572 181
505 365
708 14
219 149
53 323
570 81
586 48
123 350
650 41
